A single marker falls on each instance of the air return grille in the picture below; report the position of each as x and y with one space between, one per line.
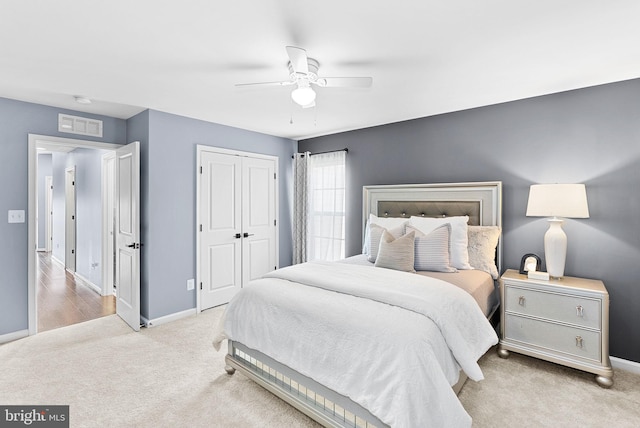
79 125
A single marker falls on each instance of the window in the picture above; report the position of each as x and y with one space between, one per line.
326 215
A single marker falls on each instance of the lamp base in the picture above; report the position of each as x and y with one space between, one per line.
555 248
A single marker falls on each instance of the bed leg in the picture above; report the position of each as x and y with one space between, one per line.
230 370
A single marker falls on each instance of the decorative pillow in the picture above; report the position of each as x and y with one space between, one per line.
375 235
457 241
432 250
483 241
386 222
396 253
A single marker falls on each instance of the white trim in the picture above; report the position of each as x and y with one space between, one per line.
202 148
168 318
10 337
33 141
626 365
85 281
57 260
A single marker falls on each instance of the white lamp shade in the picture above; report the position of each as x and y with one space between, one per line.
303 95
558 200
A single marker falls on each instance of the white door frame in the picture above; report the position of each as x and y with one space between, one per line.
70 253
199 149
34 140
108 222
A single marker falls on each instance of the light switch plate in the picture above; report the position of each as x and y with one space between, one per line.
16 216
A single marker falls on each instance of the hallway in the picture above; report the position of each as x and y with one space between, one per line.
62 301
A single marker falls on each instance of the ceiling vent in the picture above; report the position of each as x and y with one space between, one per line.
79 125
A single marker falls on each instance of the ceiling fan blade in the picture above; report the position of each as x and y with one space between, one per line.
299 60
345 82
284 83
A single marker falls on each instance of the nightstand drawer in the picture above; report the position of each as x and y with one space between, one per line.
555 337
557 307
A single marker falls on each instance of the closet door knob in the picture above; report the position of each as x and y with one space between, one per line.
238 236
246 235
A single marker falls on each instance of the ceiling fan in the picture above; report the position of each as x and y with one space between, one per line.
303 72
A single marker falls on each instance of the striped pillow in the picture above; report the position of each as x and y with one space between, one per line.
375 235
396 253
432 250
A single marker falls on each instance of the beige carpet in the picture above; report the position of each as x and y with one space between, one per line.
170 376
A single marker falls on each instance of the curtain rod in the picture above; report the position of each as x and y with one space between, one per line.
330 151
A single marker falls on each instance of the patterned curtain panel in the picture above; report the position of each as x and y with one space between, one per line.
300 206
326 216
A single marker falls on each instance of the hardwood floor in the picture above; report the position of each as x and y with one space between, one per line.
62 301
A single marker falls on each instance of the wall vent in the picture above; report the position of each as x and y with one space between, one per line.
79 125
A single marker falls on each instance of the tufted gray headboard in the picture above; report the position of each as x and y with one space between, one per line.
481 201
431 209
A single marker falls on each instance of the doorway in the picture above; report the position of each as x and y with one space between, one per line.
39 142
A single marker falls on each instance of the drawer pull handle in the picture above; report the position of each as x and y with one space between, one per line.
521 300
579 341
579 311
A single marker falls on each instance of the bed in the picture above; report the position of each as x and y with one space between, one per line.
351 344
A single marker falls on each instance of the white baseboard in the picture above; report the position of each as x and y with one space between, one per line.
87 282
168 318
630 366
10 337
57 260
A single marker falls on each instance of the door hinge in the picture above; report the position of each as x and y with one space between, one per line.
274 175
200 286
274 222
73 183
200 169
200 228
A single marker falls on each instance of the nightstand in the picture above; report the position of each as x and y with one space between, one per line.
564 321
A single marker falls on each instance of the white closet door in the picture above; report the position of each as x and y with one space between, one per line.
258 218
221 221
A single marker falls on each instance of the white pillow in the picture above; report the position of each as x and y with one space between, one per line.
458 240
432 250
375 234
396 253
483 241
386 222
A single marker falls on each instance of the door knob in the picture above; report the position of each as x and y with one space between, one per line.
246 235
238 236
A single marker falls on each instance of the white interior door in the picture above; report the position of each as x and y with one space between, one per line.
258 218
70 219
220 223
127 203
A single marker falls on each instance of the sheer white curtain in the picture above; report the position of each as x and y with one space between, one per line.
318 206
326 209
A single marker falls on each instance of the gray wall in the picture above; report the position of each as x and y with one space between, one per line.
17 120
168 186
59 165
590 136
44 170
88 163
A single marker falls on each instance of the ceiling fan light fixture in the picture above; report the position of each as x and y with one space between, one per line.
303 95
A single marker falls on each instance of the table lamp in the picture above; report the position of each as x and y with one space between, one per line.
557 200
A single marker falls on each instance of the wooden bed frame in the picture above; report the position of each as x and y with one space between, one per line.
482 201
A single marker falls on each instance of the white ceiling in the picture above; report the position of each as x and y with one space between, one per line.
426 57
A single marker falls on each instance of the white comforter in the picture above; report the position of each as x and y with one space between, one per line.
391 341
